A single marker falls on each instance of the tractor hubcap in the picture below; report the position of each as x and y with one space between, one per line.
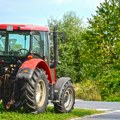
68 97
40 93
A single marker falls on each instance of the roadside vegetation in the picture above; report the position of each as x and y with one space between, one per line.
87 90
49 114
92 52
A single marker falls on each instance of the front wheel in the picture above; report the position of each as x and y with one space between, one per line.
35 92
67 99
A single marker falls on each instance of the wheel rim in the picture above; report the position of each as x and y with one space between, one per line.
69 99
40 93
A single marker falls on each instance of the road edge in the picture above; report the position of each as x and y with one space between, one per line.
104 112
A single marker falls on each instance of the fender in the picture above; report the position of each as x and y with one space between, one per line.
58 87
27 68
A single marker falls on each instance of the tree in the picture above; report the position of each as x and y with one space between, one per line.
103 36
103 43
17 47
69 51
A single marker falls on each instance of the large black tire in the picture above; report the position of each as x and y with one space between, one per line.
67 99
34 93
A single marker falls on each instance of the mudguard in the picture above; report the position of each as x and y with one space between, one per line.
59 86
26 70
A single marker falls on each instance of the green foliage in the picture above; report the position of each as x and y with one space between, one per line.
87 90
17 47
1 106
104 49
69 51
102 38
92 53
48 115
109 85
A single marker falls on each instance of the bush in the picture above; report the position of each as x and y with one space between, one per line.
87 90
107 88
110 85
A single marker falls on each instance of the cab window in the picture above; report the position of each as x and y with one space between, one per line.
38 44
44 38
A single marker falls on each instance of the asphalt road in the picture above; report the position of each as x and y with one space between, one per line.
112 109
114 115
97 105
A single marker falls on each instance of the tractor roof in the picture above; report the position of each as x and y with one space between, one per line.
23 27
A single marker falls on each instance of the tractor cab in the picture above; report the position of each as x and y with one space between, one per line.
18 42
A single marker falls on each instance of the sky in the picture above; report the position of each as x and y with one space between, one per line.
39 11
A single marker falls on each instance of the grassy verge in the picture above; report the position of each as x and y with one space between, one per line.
48 115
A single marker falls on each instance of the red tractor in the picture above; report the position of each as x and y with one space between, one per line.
28 60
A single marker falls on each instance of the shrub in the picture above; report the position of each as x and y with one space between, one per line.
109 85
87 90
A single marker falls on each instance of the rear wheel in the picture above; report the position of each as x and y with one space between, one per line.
67 99
34 93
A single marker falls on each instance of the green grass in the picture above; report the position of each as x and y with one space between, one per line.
49 114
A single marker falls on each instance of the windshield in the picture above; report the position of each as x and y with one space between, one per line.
14 43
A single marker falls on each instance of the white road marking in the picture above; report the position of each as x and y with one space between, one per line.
100 109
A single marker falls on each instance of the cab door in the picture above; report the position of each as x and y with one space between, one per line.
40 45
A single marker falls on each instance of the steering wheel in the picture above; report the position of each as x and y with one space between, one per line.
22 51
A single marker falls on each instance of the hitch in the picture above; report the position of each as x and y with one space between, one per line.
11 102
